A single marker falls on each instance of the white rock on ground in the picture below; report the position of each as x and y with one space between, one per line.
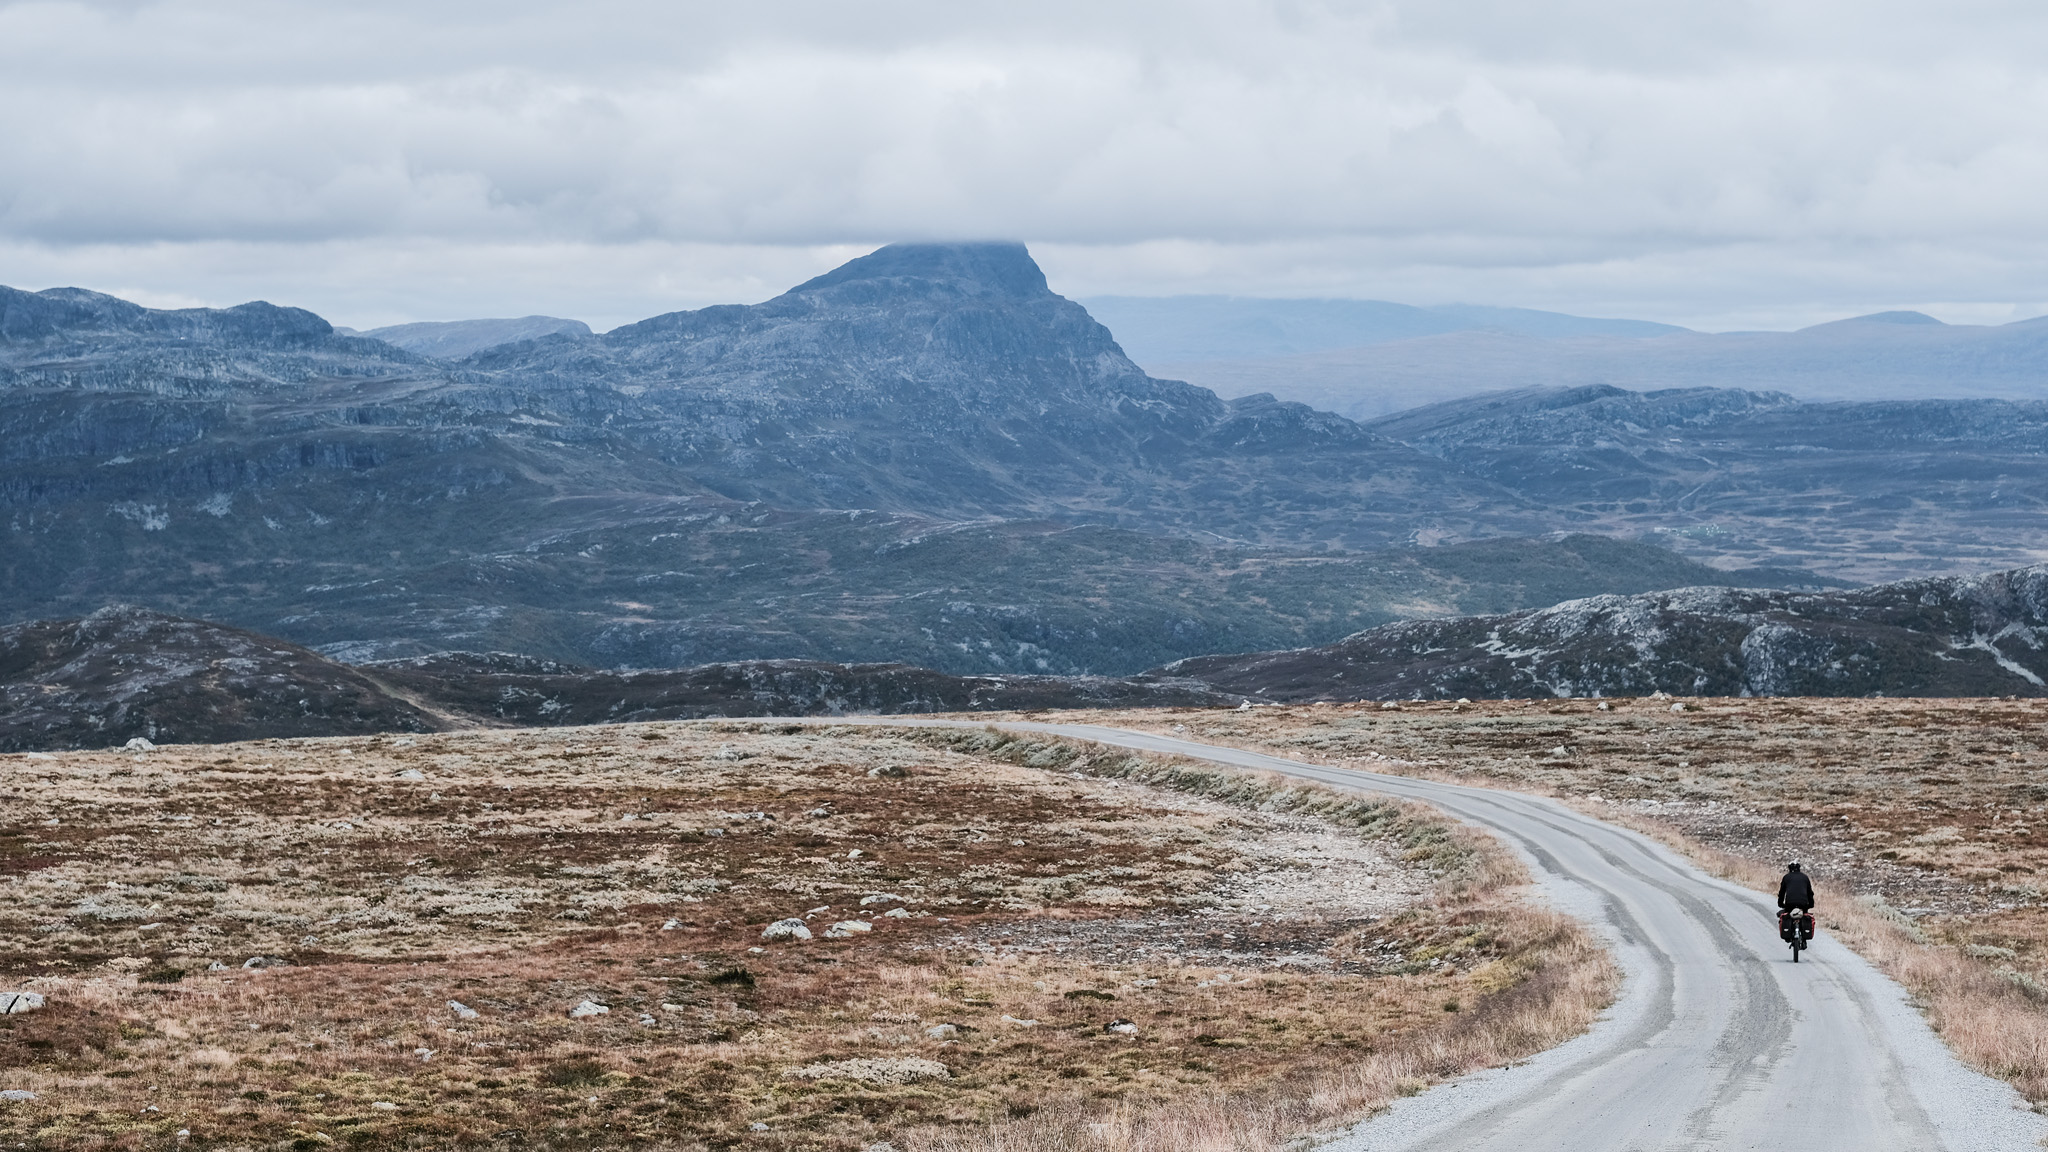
139 744
942 1031
881 1070
845 928
17 1096
12 1003
882 898
587 1009
462 1011
790 929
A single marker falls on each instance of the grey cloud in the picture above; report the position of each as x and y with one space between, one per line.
1440 146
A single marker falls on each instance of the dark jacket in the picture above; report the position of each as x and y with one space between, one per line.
1795 891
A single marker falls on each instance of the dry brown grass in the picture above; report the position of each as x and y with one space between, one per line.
1368 947
1547 980
1923 822
1567 982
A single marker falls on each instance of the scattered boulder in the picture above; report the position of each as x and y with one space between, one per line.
258 963
846 928
462 1011
587 1009
900 913
879 1070
942 1031
14 1003
790 929
139 744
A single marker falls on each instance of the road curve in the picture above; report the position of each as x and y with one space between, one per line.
1717 1042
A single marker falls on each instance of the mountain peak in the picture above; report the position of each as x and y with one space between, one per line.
975 268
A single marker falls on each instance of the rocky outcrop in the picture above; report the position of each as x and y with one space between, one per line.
1974 636
519 690
128 677
126 674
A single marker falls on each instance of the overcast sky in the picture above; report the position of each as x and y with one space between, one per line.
1723 164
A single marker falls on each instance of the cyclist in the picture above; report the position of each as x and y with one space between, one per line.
1795 890
1795 908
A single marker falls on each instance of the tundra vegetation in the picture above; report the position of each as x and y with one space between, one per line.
1923 822
738 934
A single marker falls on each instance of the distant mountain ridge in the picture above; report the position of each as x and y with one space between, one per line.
1179 330
1888 356
1885 489
456 339
254 466
924 455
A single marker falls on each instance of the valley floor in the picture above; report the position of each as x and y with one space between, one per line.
556 939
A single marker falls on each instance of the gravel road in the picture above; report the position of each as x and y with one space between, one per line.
1718 1041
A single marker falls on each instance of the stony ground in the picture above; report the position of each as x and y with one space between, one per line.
556 939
